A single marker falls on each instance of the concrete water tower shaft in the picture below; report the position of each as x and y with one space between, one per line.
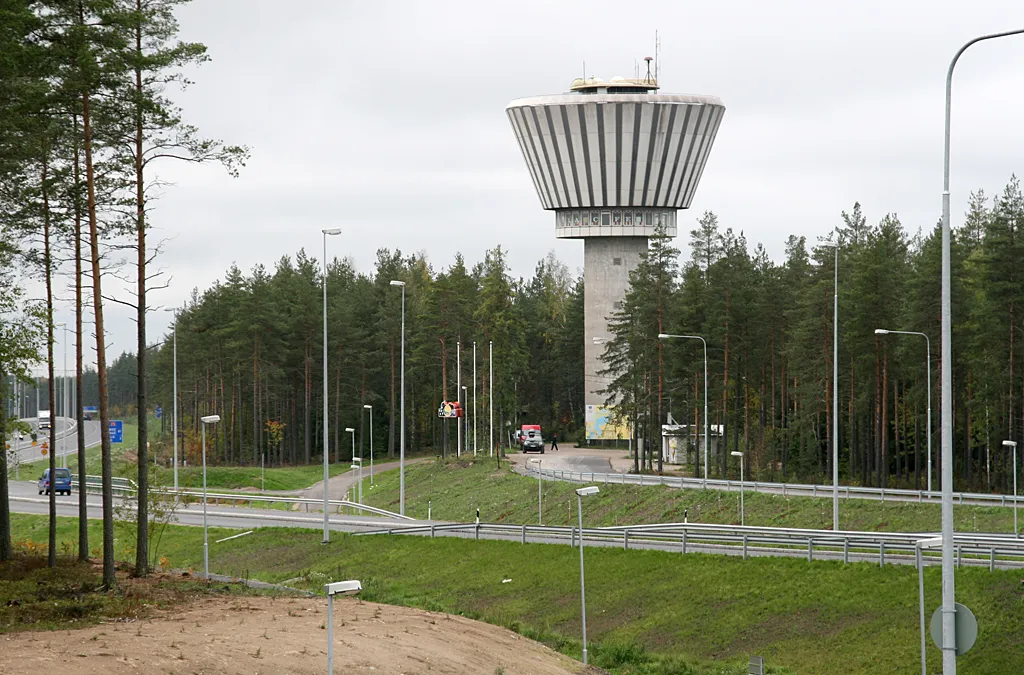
613 160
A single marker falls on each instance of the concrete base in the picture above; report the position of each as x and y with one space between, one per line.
607 262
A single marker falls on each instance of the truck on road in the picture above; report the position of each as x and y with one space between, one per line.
44 419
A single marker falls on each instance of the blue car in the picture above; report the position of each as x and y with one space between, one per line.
62 485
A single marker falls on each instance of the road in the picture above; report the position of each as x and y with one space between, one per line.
67 440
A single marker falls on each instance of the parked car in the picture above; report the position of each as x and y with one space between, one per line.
62 484
530 439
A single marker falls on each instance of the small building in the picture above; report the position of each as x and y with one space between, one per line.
680 441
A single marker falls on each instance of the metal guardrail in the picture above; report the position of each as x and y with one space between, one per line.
785 489
128 487
971 549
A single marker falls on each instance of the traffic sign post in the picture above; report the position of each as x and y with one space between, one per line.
116 431
966 628
159 412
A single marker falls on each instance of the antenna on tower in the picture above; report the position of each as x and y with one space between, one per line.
648 59
584 69
657 53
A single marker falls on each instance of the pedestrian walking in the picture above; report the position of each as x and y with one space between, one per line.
554 442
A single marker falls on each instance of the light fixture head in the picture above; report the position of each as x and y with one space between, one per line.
1010 444
597 340
368 406
343 587
663 336
350 430
736 453
932 542
395 282
881 331
332 230
587 491
210 419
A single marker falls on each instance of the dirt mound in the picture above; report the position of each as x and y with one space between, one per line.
265 635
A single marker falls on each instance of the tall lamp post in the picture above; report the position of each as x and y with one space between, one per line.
474 398
928 365
1012 445
327 532
667 336
580 494
359 492
401 432
209 419
490 396
948 595
63 400
739 454
175 334
835 387
369 407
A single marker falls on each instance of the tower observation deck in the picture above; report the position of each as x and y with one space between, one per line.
615 161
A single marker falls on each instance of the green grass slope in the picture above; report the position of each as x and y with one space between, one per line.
648 611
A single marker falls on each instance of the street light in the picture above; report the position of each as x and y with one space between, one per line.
580 494
946 385
359 492
1012 445
490 397
209 419
736 453
932 542
337 588
835 389
64 399
327 532
540 495
369 407
474 398
464 422
401 433
928 362
175 333
666 336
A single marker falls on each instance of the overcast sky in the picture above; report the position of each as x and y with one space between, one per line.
387 119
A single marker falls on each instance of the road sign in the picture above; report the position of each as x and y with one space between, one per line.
449 409
43 451
116 431
159 412
965 625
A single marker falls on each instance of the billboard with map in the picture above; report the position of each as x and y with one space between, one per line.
600 426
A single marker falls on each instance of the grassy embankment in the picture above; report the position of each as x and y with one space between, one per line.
648 611
456 488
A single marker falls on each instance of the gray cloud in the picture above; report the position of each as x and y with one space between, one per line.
387 119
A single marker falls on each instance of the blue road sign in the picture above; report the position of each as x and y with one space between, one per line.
159 412
116 431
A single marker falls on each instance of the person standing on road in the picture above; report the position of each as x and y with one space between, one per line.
554 442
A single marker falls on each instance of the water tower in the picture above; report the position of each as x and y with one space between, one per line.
613 160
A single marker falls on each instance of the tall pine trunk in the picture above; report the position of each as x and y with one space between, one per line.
48 266
83 513
142 534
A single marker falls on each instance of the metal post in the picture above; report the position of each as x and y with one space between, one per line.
401 434
327 531
920 607
474 398
175 402
583 586
458 395
490 395
330 634
540 497
835 397
206 541
1016 532
948 595
370 407
928 361
743 521
263 482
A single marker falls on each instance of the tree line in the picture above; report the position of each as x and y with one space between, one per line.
769 330
85 119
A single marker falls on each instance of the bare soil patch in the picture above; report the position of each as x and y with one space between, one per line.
270 635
